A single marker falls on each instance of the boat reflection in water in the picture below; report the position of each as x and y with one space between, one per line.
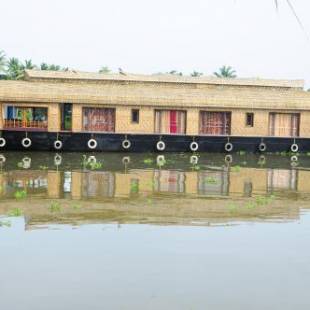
175 188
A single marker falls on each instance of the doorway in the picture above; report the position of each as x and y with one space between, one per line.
66 116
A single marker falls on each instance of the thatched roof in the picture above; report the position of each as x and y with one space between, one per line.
33 75
49 87
147 95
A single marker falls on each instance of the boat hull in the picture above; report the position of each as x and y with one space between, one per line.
78 142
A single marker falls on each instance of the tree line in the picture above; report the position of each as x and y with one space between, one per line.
14 69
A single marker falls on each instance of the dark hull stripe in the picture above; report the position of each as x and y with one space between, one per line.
77 142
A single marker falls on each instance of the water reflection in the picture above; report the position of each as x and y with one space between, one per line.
194 183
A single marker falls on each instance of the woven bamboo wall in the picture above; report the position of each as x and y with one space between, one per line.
1 115
125 125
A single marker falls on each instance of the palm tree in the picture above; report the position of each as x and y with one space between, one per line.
226 72
29 65
175 72
105 70
52 67
196 74
15 69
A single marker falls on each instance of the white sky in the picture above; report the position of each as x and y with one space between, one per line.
146 36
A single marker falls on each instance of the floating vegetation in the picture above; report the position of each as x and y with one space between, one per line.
232 207
15 212
55 207
210 180
76 206
235 168
43 167
134 187
94 165
250 205
20 194
262 201
148 161
5 224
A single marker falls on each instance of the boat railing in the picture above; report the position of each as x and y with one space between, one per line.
20 124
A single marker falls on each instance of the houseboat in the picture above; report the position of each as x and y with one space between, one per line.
79 111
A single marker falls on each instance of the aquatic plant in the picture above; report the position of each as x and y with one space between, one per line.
92 165
20 194
43 167
235 168
262 200
15 212
134 187
210 180
76 206
148 161
242 153
232 207
250 205
55 207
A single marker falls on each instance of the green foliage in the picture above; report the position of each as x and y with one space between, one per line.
210 180
226 72
42 167
15 212
148 161
196 74
105 70
235 168
20 194
94 165
134 187
55 207
76 206
175 72
262 200
232 207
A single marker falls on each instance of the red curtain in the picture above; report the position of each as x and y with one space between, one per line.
170 121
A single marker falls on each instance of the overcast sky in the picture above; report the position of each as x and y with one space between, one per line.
146 36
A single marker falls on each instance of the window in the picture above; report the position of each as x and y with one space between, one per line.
135 116
172 121
25 117
214 123
284 124
249 119
99 119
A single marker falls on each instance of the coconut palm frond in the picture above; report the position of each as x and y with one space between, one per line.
277 4
295 14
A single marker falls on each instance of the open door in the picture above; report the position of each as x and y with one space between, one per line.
66 116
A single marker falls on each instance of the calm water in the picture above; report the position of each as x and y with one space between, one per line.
147 232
